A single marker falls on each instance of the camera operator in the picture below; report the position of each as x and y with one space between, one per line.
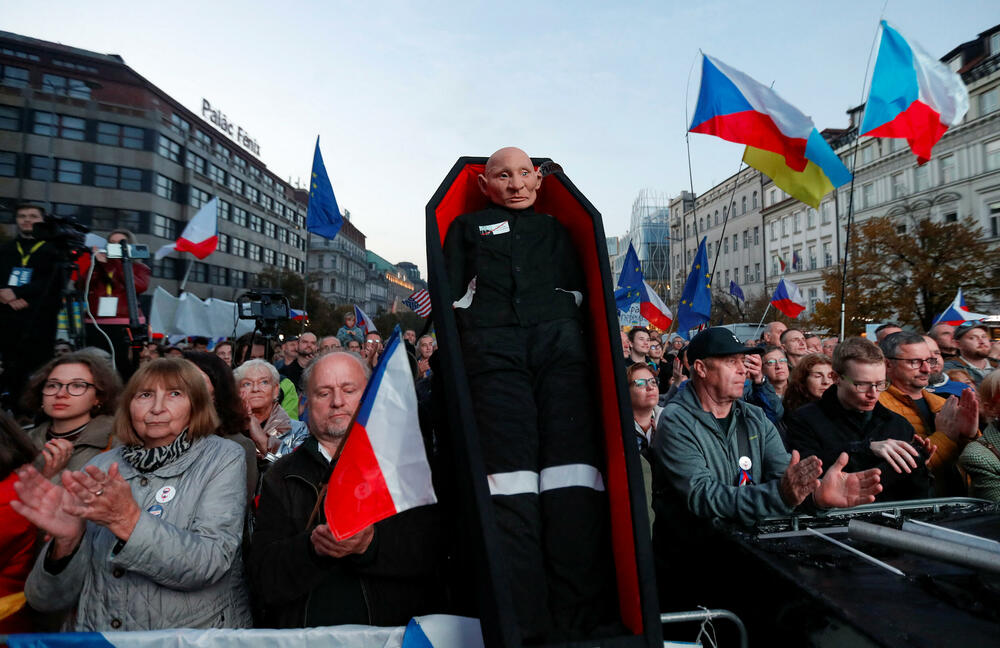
108 298
29 301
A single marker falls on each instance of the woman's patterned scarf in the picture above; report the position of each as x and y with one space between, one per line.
149 459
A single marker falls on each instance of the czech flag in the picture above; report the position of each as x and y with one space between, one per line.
200 236
957 312
788 299
632 287
364 321
297 315
781 141
913 95
383 468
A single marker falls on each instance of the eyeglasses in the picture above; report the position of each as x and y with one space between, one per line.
645 383
914 363
865 387
263 383
654 347
774 361
373 341
75 388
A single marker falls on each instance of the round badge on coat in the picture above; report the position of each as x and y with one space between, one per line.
155 510
745 463
165 494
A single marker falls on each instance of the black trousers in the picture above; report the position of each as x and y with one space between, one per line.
536 418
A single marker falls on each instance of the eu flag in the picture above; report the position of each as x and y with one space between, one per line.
736 291
323 216
696 299
629 281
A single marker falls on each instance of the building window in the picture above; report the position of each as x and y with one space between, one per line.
827 256
112 177
951 217
813 299
165 268
901 228
164 227
282 235
746 239
253 252
269 229
62 125
736 244
995 219
197 197
239 216
727 276
165 187
812 257
868 195
13 76
989 101
774 231
219 275
118 135
256 223
784 227
995 44
224 210
199 272
709 250
746 274
922 177
8 164
898 185
867 153
169 149
240 162
237 185
268 256
70 171
223 242
61 85
237 278
725 245
195 162
239 247
10 118
743 204
253 194
993 155
948 171
179 126
826 210
39 168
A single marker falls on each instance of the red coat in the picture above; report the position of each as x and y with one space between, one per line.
17 553
109 281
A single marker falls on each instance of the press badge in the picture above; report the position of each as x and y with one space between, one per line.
494 229
107 306
19 277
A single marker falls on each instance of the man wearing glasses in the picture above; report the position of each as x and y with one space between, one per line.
909 364
849 418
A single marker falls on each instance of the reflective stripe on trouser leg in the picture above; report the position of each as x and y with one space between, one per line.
521 482
569 476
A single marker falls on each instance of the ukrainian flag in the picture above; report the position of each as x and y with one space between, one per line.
822 173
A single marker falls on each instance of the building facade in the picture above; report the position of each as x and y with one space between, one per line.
91 137
338 269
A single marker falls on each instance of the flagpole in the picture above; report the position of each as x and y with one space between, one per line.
186 275
850 195
761 322
694 198
305 284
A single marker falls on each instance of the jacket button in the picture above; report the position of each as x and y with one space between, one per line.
116 623
144 482
117 572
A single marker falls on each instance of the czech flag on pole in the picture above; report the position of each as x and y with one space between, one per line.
363 320
200 236
957 312
383 468
913 95
632 287
788 299
781 141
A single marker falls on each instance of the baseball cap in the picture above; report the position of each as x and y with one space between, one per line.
717 341
965 327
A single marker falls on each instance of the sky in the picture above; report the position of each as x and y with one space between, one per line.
398 91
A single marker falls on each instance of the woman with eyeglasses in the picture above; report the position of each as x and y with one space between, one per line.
809 379
146 536
644 392
77 393
774 364
270 428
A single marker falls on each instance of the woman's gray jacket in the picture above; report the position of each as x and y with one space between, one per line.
181 567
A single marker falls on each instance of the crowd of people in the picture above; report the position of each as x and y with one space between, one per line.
190 495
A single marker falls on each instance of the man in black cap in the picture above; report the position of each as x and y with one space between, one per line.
717 458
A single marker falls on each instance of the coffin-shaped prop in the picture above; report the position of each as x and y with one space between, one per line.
480 563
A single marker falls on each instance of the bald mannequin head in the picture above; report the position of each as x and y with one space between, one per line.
510 179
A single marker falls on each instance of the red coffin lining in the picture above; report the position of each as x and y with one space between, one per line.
464 196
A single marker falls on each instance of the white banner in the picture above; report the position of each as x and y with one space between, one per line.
188 315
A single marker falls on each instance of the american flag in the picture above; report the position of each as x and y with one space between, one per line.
419 302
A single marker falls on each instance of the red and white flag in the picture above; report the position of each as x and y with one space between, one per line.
383 468
200 236
788 299
364 321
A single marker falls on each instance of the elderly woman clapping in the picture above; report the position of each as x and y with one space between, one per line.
146 536
271 429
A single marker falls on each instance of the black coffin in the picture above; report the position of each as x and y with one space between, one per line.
479 560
